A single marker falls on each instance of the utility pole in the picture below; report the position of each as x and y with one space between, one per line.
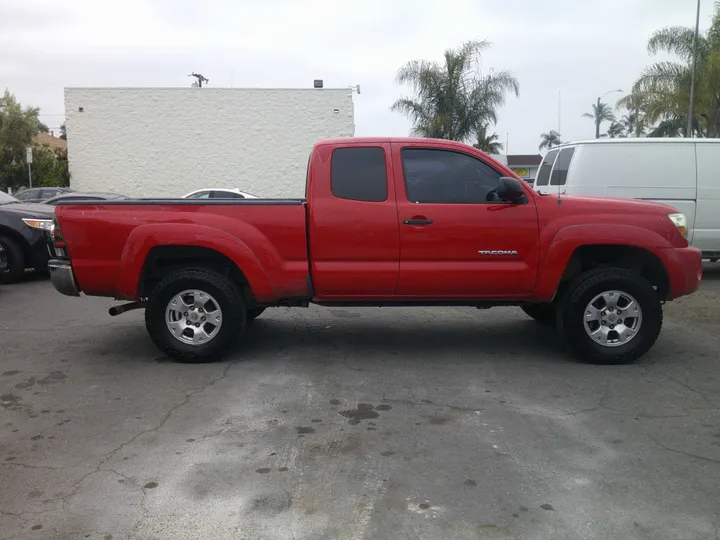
691 112
200 79
597 112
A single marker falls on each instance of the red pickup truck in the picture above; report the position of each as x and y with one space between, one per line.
387 221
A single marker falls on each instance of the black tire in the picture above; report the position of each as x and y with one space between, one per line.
542 313
227 295
16 261
571 316
254 313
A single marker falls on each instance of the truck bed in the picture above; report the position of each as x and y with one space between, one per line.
104 239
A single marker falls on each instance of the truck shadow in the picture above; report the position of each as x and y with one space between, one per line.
521 340
363 339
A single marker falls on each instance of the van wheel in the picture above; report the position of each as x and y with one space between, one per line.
15 261
542 313
610 316
254 313
194 315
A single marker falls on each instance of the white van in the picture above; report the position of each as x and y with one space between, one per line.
684 173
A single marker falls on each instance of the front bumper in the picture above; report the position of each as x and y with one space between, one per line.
62 277
685 268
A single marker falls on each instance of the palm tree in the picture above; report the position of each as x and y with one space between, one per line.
616 130
671 127
549 140
454 99
488 143
634 120
601 112
665 86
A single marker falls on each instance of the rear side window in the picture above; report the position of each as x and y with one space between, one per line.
545 168
359 174
562 164
225 195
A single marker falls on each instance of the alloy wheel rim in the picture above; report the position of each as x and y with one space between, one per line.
193 317
612 318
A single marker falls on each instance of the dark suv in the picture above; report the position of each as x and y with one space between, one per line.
23 235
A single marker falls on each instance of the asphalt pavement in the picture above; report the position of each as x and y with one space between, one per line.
367 423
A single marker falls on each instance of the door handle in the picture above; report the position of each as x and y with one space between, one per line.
417 221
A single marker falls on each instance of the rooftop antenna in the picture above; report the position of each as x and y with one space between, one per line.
200 79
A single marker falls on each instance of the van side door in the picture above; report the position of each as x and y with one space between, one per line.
706 235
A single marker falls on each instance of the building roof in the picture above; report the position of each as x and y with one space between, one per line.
42 139
518 160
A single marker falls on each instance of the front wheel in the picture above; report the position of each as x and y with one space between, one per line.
15 261
194 315
611 316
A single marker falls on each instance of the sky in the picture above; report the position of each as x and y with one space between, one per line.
575 50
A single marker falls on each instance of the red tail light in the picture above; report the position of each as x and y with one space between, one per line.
58 240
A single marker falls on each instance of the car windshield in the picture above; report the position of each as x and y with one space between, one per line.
7 199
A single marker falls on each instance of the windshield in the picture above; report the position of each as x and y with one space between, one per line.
5 198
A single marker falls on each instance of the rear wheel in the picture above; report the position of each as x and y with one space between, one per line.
611 316
542 313
15 261
194 315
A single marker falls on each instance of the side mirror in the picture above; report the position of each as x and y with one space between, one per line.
510 189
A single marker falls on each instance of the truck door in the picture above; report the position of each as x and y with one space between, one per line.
457 239
352 221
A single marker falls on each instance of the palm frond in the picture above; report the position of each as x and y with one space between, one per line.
676 40
453 99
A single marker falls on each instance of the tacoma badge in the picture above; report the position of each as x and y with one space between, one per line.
498 252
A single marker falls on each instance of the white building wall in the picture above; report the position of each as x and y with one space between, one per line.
145 142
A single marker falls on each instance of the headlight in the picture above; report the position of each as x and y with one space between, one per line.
680 221
43 224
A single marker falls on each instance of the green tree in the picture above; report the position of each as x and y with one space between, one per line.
601 112
63 132
672 127
616 130
50 167
549 140
634 120
17 127
488 143
665 86
453 100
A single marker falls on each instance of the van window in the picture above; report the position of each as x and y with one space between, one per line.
562 164
545 168
359 174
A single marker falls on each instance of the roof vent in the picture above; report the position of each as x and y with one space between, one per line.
318 83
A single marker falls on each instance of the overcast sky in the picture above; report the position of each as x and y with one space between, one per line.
581 48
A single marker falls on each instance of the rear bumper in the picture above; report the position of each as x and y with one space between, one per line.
684 266
62 277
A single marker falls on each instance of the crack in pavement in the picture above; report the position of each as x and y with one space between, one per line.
99 467
676 451
167 415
